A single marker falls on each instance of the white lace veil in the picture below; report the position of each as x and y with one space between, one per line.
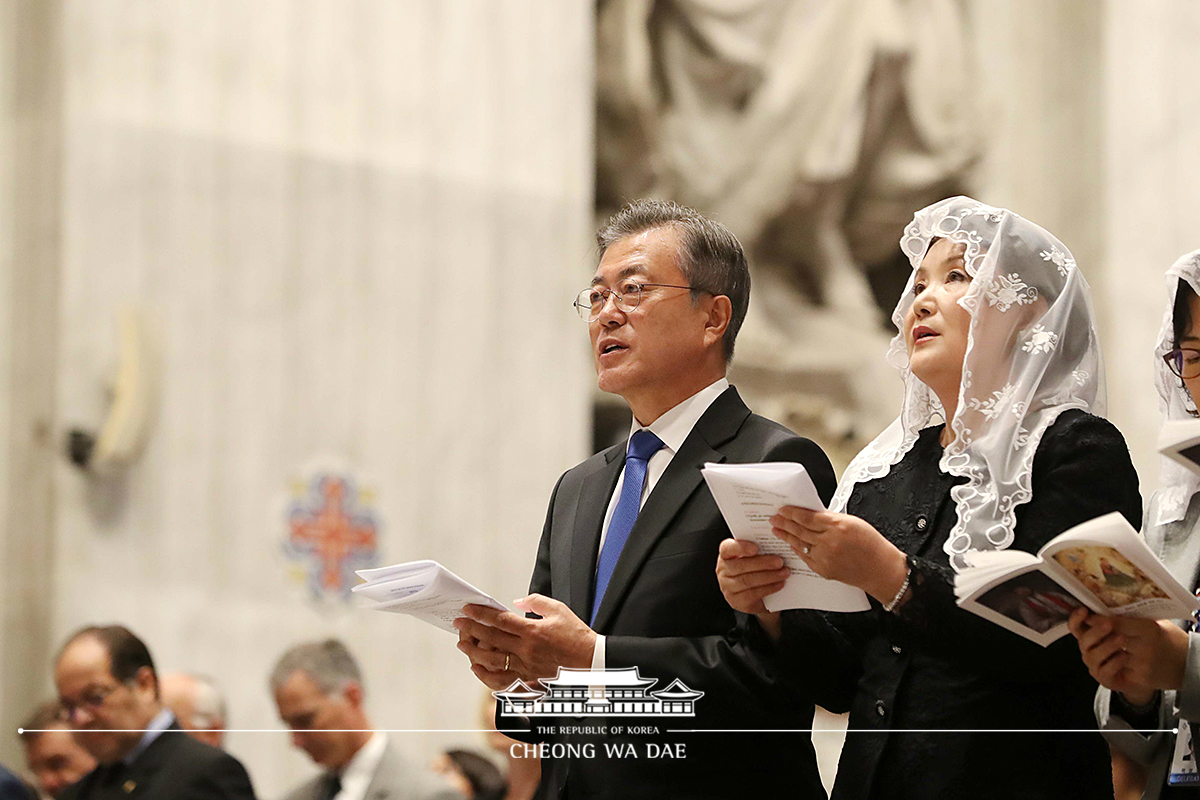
1032 353
1176 483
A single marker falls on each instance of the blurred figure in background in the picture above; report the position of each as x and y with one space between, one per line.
198 704
319 693
108 689
523 774
471 774
13 788
54 758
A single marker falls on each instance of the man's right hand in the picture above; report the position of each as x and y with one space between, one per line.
746 578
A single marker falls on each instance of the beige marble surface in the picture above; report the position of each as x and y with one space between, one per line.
30 212
355 229
1151 193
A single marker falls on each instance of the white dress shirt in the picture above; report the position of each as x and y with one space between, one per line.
672 428
359 773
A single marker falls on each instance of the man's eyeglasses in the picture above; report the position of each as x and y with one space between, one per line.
92 700
1184 362
591 301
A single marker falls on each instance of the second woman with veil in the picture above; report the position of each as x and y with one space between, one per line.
997 338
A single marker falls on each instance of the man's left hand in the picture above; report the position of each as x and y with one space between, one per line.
504 646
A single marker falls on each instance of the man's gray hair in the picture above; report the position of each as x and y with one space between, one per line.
209 711
328 664
712 259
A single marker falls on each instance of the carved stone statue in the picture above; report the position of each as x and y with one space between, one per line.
813 129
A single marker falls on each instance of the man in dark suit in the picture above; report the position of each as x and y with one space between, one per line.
625 572
108 689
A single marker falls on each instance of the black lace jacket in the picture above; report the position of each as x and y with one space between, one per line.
937 683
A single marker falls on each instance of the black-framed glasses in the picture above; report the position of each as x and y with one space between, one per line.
591 301
1184 362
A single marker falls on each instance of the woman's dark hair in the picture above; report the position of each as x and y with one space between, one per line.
486 781
1181 314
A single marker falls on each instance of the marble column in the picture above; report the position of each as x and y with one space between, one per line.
30 160
1152 196
1094 126
355 229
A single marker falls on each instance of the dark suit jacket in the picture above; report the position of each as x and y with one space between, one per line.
936 667
13 788
174 767
663 612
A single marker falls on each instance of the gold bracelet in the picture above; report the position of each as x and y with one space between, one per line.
900 594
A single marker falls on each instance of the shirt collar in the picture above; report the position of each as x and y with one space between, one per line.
163 720
673 427
364 763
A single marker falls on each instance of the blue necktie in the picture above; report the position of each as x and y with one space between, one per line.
642 445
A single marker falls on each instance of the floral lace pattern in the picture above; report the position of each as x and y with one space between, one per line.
1068 396
1040 341
1059 259
1007 290
995 405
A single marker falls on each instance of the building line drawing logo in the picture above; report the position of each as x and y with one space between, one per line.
616 692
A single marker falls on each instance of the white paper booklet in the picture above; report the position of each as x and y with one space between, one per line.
1179 439
748 496
1102 564
422 589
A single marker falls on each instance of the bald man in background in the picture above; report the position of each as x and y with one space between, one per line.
198 704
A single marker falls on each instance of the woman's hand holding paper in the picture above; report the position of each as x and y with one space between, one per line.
843 547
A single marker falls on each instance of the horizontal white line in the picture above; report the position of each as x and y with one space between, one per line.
668 730
905 730
265 730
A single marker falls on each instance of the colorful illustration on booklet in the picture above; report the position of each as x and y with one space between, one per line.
1033 600
1112 577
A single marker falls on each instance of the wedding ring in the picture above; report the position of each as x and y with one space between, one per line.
506 659
806 549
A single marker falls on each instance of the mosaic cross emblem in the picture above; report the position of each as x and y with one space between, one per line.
332 534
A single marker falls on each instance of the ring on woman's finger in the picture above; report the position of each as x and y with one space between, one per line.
806 549
507 657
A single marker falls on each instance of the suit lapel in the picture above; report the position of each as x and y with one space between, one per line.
595 491
718 425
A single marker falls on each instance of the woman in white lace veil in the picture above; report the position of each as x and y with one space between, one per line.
1032 353
1149 670
997 341
1176 483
